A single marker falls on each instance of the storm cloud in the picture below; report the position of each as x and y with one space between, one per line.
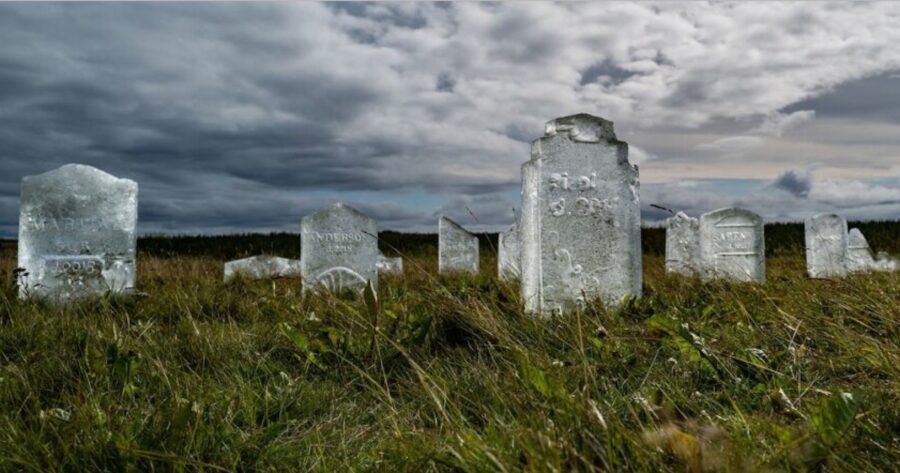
247 116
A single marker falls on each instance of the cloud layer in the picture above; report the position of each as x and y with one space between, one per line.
248 116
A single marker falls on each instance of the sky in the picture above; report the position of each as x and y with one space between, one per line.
244 117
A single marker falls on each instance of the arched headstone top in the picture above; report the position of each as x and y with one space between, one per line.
582 127
721 216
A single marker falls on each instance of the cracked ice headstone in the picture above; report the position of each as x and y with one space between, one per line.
859 255
76 233
732 245
581 222
389 264
682 244
509 251
262 267
338 249
826 246
457 248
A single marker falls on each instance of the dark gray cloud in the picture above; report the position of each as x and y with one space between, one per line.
798 183
246 116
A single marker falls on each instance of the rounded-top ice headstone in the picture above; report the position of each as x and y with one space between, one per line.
76 233
457 248
682 244
580 223
826 246
339 249
732 245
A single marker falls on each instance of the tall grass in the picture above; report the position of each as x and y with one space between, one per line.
445 373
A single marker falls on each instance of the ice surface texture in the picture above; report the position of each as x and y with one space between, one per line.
338 249
76 233
580 223
457 248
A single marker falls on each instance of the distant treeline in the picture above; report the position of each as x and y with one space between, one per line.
782 239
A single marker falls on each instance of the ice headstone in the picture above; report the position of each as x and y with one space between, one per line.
76 233
338 249
262 267
581 222
457 248
508 253
859 255
389 264
682 244
826 246
732 245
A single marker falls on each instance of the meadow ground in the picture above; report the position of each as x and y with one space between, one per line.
447 374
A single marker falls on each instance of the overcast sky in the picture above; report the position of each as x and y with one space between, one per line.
247 116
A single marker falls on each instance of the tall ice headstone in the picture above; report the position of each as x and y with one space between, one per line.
732 245
509 251
338 249
682 244
76 233
826 246
581 222
457 248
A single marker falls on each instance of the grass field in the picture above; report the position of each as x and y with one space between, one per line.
447 374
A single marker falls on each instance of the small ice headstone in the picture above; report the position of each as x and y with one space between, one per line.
859 255
732 245
76 233
508 253
262 267
389 264
826 246
682 244
338 249
581 221
457 248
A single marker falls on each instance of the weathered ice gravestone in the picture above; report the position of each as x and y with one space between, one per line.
457 248
389 264
859 255
508 253
76 233
826 246
338 249
732 245
581 222
682 244
262 267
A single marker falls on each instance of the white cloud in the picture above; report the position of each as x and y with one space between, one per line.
420 97
778 123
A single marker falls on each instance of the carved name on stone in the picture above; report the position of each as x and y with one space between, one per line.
339 249
732 245
76 233
580 223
